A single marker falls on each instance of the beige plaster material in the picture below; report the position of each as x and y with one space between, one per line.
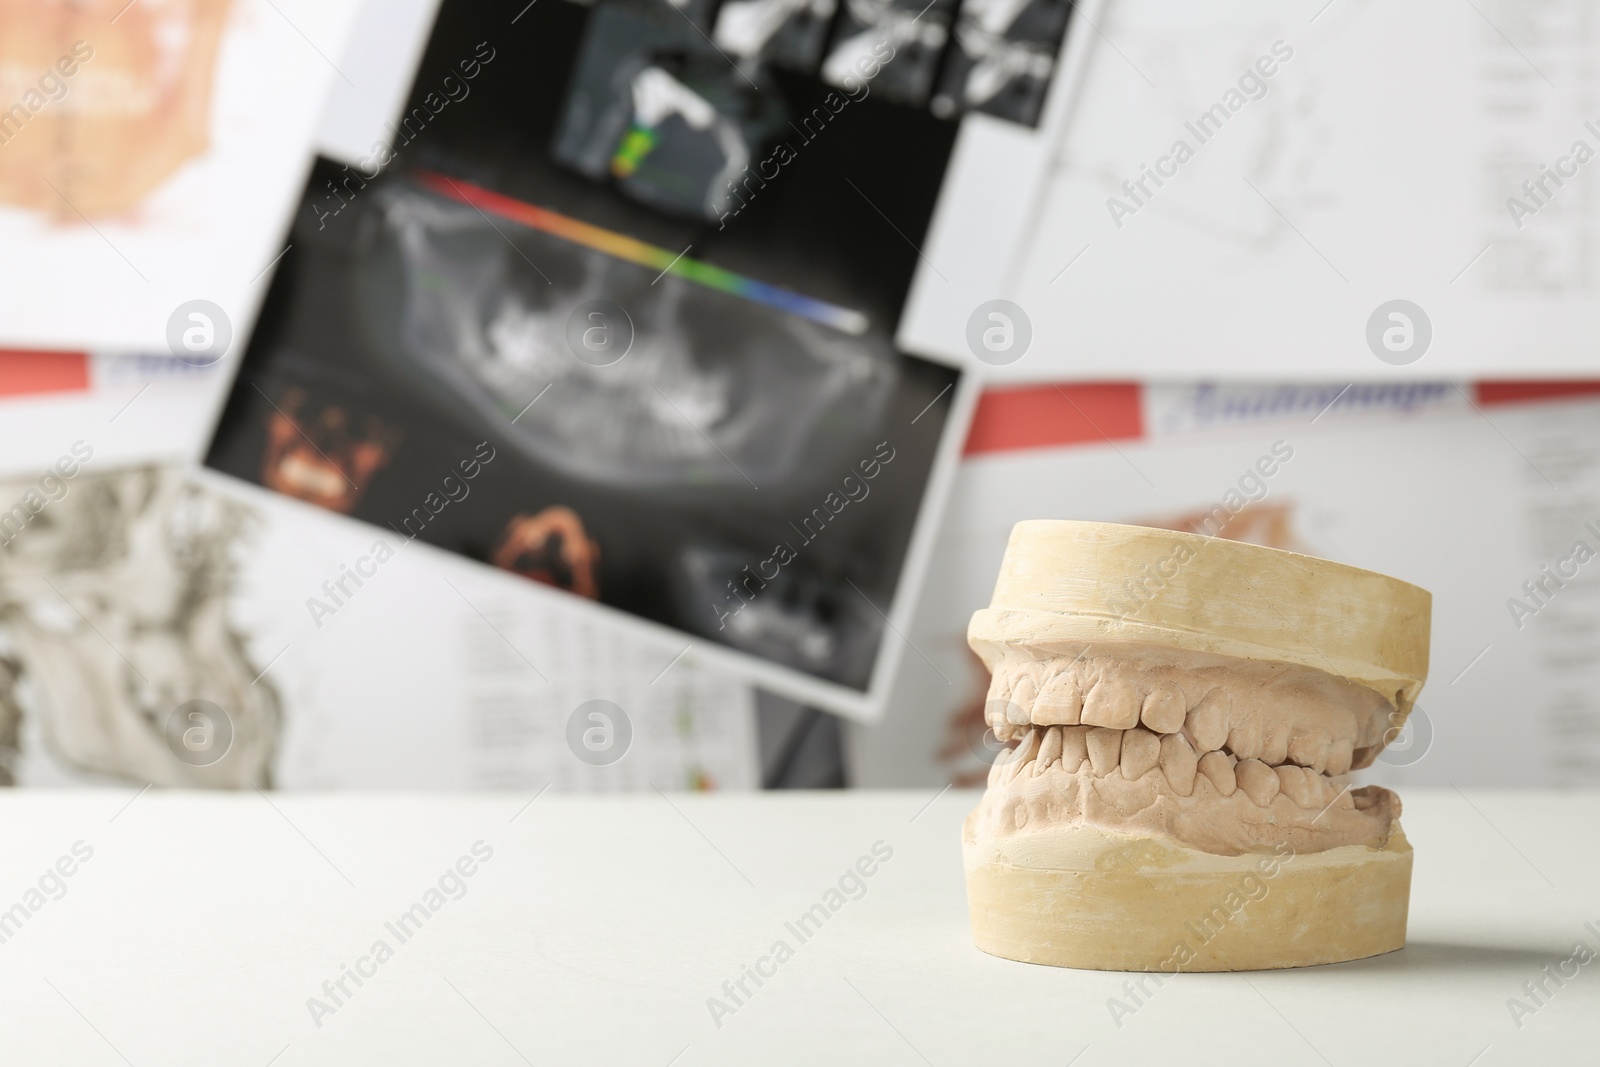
1092 899
1066 582
1204 718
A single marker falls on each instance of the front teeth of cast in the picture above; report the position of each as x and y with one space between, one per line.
1141 750
1164 710
1019 700
1112 703
1060 703
1178 763
1106 723
1049 750
1105 750
1074 747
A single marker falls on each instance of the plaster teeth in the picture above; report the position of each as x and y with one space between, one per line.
1218 767
1310 750
1257 780
1178 763
994 705
1023 753
1105 746
1325 789
1060 703
1207 721
1296 784
1021 700
1164 710
1112 703
1074 748
1109 724
1244 739
1141 750
1049 750
1274 743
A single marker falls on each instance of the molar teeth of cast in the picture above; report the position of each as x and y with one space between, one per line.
1218 767
1310 750
1327 792
1207 721
1178 763
1059 703
1164 710
1339 756
1244 739
1274 743
1112 703
1105 746
1049 750
1141 750
1298 785
1257 780
1374 727
1074 748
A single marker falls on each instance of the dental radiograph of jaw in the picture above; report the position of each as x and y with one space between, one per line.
1184 714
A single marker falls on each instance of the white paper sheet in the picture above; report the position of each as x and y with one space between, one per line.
109 279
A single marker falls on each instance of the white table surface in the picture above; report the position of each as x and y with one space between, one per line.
600 926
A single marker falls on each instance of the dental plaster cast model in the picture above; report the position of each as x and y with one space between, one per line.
1186 712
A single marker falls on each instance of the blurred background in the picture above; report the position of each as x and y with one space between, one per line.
632 394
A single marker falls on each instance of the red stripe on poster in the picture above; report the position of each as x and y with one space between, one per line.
1044 416
1521 392
42 372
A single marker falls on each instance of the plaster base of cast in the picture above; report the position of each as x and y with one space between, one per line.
1084 897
